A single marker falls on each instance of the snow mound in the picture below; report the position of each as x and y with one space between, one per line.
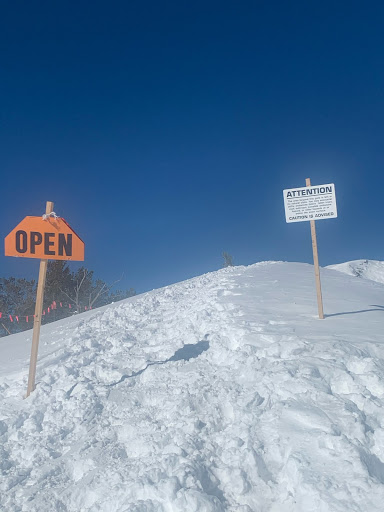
367 269
221 393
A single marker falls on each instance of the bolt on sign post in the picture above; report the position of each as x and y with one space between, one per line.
311 204
47 238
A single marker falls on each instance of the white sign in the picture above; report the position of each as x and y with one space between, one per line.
310 203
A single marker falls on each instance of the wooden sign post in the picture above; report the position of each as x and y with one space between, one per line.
311 203
316 263
46 238
38 314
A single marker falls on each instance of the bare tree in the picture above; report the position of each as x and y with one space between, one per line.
228 260
86 292
100 290
81 277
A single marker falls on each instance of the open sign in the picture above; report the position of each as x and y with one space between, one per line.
50 238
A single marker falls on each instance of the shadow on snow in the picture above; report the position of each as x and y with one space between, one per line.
187 352
376 306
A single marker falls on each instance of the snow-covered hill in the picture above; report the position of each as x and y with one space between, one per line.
367 269
221 393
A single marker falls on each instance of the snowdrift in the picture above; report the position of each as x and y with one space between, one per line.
367 269
221 393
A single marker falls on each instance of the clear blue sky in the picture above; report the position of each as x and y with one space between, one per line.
165 131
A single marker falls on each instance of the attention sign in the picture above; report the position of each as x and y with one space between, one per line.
310 203
48 239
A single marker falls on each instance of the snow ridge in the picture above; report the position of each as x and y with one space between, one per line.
367 269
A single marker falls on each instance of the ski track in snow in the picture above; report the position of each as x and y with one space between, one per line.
222 393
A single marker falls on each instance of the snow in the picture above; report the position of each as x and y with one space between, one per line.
221 393
367 269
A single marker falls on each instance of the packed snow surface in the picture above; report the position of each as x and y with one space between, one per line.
221 393
367 269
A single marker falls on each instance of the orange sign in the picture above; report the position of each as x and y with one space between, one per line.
50 239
